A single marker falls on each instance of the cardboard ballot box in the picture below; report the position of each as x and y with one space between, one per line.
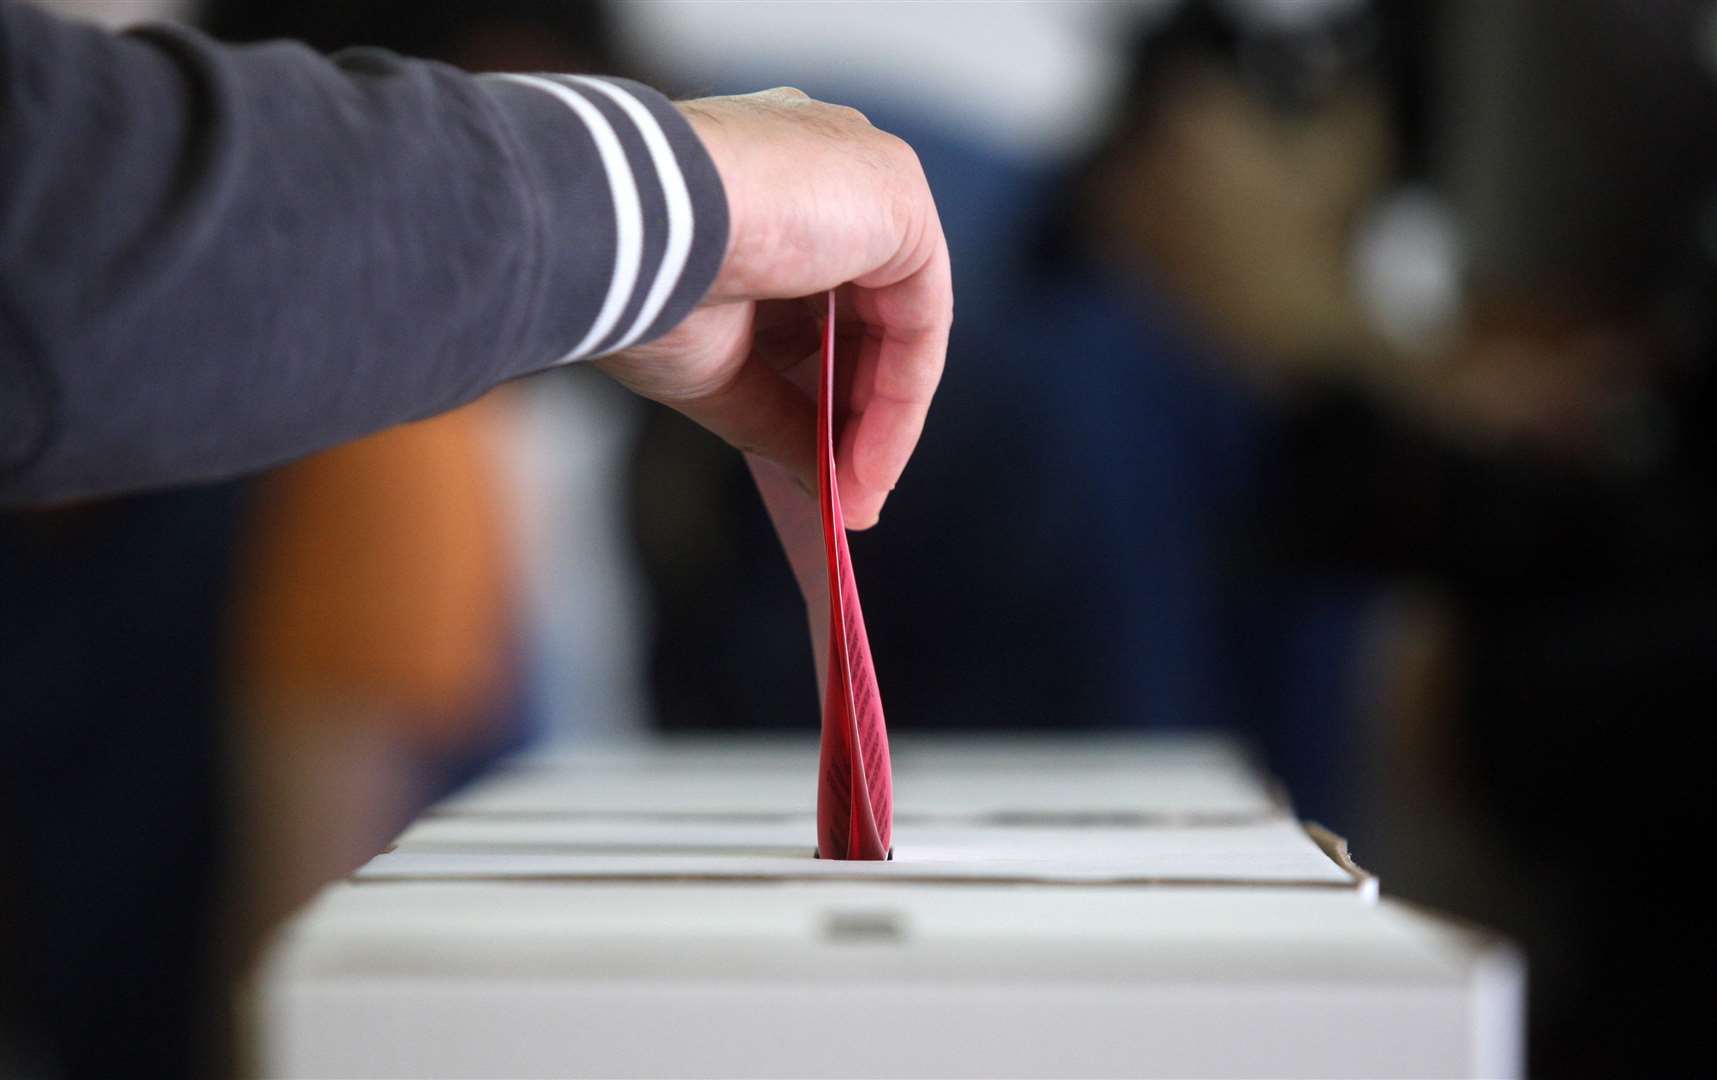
1088 908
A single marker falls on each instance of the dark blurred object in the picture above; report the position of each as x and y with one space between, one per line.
1291 56
112 835
479 35
1555 484
1577 144
1578 677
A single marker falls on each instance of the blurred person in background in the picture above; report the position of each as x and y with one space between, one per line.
1549 487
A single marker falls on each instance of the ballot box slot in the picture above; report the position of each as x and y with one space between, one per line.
881 881
1057 819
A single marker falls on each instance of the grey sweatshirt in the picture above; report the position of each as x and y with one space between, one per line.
214 259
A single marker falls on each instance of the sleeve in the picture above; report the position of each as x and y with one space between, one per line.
215 259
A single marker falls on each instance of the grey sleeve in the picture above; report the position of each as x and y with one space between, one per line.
215 259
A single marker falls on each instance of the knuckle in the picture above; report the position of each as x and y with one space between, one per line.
901 154
850 114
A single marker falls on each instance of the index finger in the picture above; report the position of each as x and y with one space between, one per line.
898 366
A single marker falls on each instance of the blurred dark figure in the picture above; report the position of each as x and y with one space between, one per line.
298 660
1554 484
478 35
113 841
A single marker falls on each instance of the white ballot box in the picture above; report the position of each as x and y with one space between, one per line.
1083 908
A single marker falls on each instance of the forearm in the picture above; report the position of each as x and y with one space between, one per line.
215 259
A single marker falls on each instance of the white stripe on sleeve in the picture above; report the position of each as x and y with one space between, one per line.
628 216
681 224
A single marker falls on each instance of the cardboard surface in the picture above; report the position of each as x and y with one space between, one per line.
521 979
1271 852
465 928
990 780
1137 909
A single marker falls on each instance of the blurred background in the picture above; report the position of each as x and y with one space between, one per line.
1335 374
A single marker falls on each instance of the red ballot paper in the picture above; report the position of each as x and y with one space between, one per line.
855 784
855 787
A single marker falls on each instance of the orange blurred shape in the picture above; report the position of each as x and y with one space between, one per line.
377 576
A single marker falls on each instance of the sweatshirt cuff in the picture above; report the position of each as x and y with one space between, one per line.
632 213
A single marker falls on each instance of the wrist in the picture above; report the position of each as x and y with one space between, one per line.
707 125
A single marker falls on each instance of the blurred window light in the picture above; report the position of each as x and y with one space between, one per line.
118 13
1407 270
1295 53
1292 16
1030 78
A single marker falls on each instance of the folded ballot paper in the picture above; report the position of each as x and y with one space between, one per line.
855 785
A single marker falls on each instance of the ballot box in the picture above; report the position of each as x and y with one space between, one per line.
1091 908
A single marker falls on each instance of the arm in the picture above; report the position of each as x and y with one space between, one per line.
215 259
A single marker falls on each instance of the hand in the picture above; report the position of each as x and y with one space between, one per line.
817 199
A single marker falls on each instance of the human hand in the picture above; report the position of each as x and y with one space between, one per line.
818 199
